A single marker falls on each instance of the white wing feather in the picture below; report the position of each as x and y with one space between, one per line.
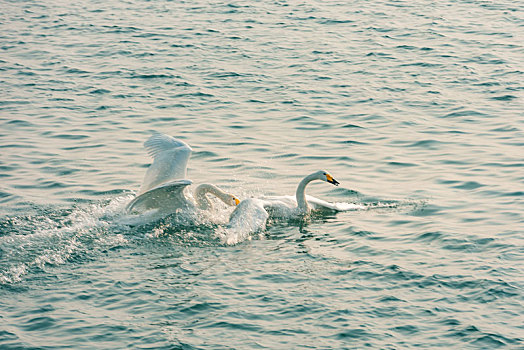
170 157
158 143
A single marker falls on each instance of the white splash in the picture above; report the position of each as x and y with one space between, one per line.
41 241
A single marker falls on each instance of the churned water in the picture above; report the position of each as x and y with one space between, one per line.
415 107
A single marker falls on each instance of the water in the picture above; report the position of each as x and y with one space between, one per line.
414 107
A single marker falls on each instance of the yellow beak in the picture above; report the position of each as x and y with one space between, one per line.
331 180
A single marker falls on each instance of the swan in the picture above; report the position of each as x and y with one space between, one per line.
302 204
251 215
165 179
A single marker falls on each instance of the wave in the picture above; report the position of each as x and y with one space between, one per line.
53 237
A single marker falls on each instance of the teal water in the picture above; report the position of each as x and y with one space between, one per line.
414 107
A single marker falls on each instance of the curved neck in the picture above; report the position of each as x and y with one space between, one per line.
202 200
301 193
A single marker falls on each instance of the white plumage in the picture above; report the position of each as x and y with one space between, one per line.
165 179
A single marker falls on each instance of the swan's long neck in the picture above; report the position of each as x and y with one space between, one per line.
301 193
201 198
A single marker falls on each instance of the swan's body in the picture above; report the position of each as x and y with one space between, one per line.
300 204
287 206
165 180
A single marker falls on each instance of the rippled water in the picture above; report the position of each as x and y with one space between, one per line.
414 107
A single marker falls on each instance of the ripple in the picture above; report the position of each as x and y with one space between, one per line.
421 127
504 98
469 185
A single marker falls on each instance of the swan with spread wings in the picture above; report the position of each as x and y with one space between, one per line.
165 179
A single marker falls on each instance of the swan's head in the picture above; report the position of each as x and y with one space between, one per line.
325 176
203 201
231 200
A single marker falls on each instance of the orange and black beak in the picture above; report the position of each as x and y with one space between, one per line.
331 180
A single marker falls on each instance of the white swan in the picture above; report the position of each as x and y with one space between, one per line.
164 181
251 215
301 204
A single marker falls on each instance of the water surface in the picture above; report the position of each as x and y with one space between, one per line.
414 107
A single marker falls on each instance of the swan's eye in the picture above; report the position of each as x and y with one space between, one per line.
325 173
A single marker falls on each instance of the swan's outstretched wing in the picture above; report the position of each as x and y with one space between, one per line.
170 157
168 196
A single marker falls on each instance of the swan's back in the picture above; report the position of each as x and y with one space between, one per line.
170 157
280 206
286 206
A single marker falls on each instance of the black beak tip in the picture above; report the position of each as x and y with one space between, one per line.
335 182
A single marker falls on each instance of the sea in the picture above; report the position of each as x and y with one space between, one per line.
415 107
